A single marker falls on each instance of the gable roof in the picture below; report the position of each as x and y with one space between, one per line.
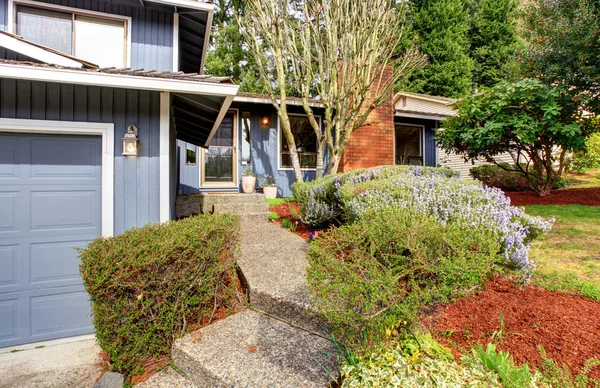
422 106
425 97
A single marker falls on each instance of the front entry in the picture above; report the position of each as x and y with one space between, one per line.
219 161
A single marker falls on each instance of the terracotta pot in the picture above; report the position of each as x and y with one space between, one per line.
248 184
270 192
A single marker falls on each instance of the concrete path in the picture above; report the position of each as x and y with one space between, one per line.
69 363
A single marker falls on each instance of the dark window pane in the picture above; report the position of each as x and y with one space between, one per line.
218 165
306 143
246 138
408 145
224 135
190 157
48 28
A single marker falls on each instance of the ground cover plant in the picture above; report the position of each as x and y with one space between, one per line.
149 284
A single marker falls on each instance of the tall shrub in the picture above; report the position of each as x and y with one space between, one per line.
148 283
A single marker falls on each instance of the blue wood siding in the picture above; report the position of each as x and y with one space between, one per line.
3 14
151 29
136 179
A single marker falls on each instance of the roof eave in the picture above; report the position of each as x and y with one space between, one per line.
266 100
66 76
190 4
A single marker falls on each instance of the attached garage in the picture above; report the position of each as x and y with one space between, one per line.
51 201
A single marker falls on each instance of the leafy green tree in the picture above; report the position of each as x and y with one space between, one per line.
441 31
494 40
228 53
563 39
524 118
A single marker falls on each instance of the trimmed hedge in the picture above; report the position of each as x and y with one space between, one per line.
148 283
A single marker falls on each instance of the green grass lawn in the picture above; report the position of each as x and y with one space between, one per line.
568 258
584 180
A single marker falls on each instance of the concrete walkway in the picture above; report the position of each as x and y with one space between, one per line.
69 363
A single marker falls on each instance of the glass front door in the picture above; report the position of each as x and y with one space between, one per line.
219 160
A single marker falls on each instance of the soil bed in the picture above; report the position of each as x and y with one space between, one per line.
285 213
588 197
566 326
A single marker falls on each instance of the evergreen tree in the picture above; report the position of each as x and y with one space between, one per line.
228 54
494 40
441 30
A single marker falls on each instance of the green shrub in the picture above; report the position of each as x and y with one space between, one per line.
494 176
372 276
148 282
414 362
273 216
503 364
590 158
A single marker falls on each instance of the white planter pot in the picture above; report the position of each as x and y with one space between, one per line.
270 192
248 184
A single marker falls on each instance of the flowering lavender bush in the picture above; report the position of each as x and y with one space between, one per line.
321 200
452 201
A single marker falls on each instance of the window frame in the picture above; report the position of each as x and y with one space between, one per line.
195 149
14 4
280 137
421 138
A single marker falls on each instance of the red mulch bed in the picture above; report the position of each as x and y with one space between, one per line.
588 197
568 327
284 212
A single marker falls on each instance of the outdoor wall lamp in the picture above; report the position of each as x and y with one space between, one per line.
131 143
265 120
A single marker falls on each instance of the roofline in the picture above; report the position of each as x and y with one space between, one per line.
199 5
419 97
266 100
207 31
421 116
93 78
41 53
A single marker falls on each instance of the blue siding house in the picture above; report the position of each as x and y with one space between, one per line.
94 96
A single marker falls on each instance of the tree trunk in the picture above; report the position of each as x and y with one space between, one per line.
321 157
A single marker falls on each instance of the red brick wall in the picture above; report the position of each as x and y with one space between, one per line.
372 145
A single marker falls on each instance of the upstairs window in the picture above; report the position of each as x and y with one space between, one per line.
306 143
95 39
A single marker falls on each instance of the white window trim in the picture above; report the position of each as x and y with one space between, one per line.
279 168
175 41
235 178
421 138
12 27
105 130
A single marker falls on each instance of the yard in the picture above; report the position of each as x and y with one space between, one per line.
500 333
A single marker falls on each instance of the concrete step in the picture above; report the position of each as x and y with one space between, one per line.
168 378
272 263
249 349
187 205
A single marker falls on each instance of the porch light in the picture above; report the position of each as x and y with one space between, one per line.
265 120
131 143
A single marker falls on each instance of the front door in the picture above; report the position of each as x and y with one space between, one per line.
219 161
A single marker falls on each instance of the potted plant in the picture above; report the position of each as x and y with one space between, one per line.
248 181
269 187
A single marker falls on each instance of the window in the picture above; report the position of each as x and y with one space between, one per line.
409 149
306 143
246 153
190 154
95 39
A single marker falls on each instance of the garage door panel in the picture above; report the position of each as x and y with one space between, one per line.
9 164
9 266
55 264
9 320
75 210
8 209
60 314
60 160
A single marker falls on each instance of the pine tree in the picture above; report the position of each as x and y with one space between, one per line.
494 40
441 30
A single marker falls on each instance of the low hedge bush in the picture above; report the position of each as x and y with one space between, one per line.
495 176
372 277
148 283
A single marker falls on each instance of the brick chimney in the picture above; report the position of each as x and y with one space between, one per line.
372 145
